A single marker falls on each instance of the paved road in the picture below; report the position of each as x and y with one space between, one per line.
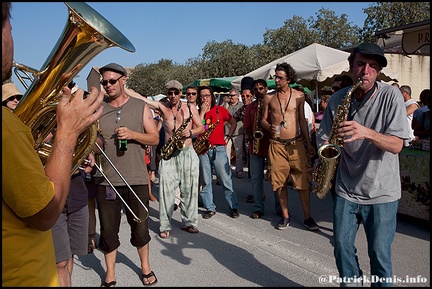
247 252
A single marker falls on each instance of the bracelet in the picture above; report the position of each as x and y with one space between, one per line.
190 131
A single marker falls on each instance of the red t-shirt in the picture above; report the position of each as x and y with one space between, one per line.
210 117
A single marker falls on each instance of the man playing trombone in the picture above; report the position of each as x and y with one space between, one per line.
125 118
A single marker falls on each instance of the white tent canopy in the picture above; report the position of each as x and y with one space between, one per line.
315 66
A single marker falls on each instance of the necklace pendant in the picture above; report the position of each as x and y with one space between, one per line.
283 123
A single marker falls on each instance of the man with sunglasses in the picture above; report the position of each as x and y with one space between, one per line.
10 96
258 158
215 116
181 170
125 118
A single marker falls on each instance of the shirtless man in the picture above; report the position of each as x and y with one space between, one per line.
181 170
287 154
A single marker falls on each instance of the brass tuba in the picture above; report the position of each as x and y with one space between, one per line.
85 35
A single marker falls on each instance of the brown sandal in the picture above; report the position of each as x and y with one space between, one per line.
190 229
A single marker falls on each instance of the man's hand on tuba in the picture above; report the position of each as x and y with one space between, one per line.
75 113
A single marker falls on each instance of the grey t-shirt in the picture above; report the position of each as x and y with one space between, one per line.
367 174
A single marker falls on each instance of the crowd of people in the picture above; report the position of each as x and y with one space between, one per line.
183 143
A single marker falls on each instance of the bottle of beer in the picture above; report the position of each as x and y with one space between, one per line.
123 144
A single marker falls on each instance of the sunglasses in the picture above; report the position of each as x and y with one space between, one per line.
111 81
173 92
191 93
258 88
246 95
13 97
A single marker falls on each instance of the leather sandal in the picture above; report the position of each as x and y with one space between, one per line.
257 215
147 276
190 229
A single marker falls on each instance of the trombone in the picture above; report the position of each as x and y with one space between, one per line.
99 168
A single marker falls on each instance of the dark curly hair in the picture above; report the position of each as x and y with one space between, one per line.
290 72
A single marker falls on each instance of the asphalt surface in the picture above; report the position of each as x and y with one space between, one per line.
246 252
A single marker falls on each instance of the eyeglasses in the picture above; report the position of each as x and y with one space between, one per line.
13 97
232 95
177 92
191 93
111 81
118 114
279 77
205 95
246 95
258 88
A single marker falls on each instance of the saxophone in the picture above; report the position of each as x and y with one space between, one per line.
257 133
202 144
329 153
176 141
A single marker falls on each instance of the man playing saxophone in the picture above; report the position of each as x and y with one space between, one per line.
179 166
368 186
258 149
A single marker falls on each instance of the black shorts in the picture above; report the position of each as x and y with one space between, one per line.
110 216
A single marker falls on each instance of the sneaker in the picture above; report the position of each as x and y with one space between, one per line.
310 224
283 223
234 213
209 214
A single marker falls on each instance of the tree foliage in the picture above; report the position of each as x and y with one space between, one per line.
384 15
231 59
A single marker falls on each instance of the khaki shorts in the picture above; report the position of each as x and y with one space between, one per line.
287 160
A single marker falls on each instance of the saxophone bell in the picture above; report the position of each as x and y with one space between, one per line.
258 134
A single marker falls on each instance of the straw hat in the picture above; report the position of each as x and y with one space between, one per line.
8 90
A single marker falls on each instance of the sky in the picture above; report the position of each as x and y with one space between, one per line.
161 30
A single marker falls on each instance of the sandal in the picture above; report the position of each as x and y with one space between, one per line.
165 234
109 284
147 276
190 229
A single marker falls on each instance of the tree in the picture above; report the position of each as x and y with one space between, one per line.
332 30
384 15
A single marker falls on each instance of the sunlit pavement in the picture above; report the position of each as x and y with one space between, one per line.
246 252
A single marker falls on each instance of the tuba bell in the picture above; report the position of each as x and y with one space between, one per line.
86 34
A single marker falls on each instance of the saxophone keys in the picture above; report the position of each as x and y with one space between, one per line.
283 123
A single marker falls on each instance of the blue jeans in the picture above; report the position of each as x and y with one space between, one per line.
256 169
379 222
216 157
